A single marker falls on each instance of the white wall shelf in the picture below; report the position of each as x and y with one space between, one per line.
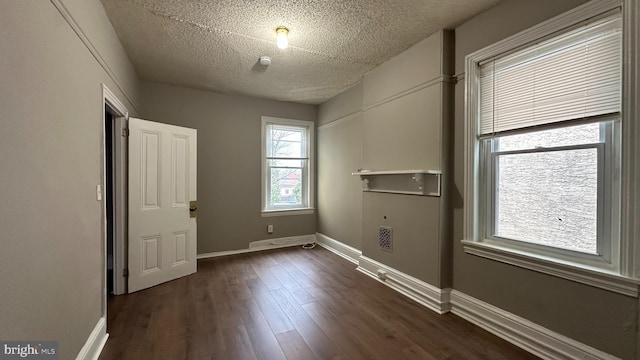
407 182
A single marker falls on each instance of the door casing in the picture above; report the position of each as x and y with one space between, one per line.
112 104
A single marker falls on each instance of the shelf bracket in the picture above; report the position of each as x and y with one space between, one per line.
365 184
419 178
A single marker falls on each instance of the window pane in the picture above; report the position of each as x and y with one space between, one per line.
286 187
549 198
572 135
286 142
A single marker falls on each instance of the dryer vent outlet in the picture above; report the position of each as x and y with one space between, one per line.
385 238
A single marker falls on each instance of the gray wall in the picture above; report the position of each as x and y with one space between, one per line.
590 315
92 19
339 155
392 120
599 318
229 162
402 130
51 110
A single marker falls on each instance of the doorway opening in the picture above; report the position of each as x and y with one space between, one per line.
115 200
114 197
108 196
161 161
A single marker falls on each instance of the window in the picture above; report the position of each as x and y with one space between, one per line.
287 163
546 191
547 144
543 156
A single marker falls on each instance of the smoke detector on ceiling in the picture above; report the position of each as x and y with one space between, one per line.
265 60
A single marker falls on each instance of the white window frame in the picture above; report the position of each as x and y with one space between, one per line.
622 272
308 191
608 192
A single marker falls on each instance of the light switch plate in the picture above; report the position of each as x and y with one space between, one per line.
99 192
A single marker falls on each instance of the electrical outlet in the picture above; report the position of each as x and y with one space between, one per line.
270 229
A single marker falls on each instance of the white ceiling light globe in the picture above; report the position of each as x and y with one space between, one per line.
282 37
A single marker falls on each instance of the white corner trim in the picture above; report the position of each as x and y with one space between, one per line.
347 252
96 341
68 17
267 244
521 332
428 295
611 282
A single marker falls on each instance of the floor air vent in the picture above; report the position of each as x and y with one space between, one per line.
385 238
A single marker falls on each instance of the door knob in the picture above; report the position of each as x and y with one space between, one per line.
193 209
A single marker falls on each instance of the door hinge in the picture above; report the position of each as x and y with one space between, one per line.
125 132
125 273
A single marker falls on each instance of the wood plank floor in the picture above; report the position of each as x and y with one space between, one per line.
288 304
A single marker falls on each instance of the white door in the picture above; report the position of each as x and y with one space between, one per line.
162 183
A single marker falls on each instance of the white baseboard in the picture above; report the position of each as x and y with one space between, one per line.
349 253
428 295
264 245
521 332
93 347
285 241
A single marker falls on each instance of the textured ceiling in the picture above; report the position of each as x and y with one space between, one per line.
215 44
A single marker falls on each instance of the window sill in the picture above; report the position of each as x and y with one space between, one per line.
287 212
597 278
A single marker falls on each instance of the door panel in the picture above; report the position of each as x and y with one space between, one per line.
180 241
150 168
150 254
162 182
180 163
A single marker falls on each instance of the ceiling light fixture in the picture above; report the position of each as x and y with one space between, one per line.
281 37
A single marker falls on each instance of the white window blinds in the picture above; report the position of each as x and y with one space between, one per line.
576 75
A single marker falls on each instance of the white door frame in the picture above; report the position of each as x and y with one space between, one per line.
119 194
109 100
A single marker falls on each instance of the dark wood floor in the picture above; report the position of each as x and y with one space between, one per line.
288 304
